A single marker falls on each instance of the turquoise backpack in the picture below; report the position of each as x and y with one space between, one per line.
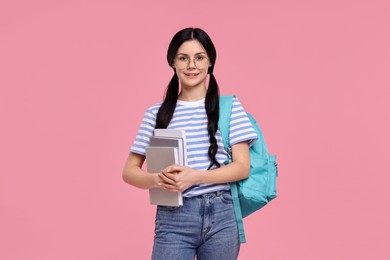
259 188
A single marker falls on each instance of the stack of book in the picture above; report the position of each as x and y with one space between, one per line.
166 147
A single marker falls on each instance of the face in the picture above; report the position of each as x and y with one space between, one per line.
191 64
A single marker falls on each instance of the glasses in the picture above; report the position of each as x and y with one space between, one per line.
183 61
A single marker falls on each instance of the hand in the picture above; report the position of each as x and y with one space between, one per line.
178 178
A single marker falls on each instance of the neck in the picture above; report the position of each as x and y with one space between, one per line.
192 94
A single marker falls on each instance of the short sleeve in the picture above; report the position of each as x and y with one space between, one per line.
145 131
241 128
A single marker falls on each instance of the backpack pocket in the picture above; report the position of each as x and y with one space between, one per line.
272 173
252 192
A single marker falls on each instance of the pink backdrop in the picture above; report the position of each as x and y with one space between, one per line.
76 77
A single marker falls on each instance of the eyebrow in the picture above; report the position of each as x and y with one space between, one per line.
188 55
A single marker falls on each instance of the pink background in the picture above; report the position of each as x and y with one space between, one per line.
77 76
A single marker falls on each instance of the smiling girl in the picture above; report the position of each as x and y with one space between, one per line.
205 226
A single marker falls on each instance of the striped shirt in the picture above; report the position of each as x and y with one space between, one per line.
191 116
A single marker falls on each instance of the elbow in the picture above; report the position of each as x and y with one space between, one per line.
246 170
247 174
125 177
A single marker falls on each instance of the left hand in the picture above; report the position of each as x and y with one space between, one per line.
178 178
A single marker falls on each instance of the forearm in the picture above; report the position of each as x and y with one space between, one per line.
232 172
179 178
135 176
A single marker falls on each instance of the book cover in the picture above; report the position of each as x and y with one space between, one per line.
157 159
174 133
159 141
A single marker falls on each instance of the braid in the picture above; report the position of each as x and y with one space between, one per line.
212 111
165 112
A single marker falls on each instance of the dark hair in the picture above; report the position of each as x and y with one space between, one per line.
167 108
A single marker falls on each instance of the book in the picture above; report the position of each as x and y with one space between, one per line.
161 141
174 134
158 158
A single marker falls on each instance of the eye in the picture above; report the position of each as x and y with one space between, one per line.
182 58
200 58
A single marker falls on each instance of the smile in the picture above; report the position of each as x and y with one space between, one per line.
191 75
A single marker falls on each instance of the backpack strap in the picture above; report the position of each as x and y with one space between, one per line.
225 110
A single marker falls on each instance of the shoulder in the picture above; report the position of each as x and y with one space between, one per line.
237 105
153 109
235 99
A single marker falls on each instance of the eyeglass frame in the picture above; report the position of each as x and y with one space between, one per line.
193 59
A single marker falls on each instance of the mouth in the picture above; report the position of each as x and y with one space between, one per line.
191 75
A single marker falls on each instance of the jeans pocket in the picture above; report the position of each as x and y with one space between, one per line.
226 197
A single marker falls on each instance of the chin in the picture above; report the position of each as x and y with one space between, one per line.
191 82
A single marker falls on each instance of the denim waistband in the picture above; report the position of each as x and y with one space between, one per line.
209 194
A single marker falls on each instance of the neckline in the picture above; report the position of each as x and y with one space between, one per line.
190 103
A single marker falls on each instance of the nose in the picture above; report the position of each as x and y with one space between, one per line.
191 63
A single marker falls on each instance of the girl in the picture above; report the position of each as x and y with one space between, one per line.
205 226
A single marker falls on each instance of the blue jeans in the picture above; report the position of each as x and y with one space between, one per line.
205 227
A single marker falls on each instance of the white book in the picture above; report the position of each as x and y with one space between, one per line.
174 133
158 158
160 141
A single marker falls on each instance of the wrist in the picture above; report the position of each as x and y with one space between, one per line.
155 180
199 176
